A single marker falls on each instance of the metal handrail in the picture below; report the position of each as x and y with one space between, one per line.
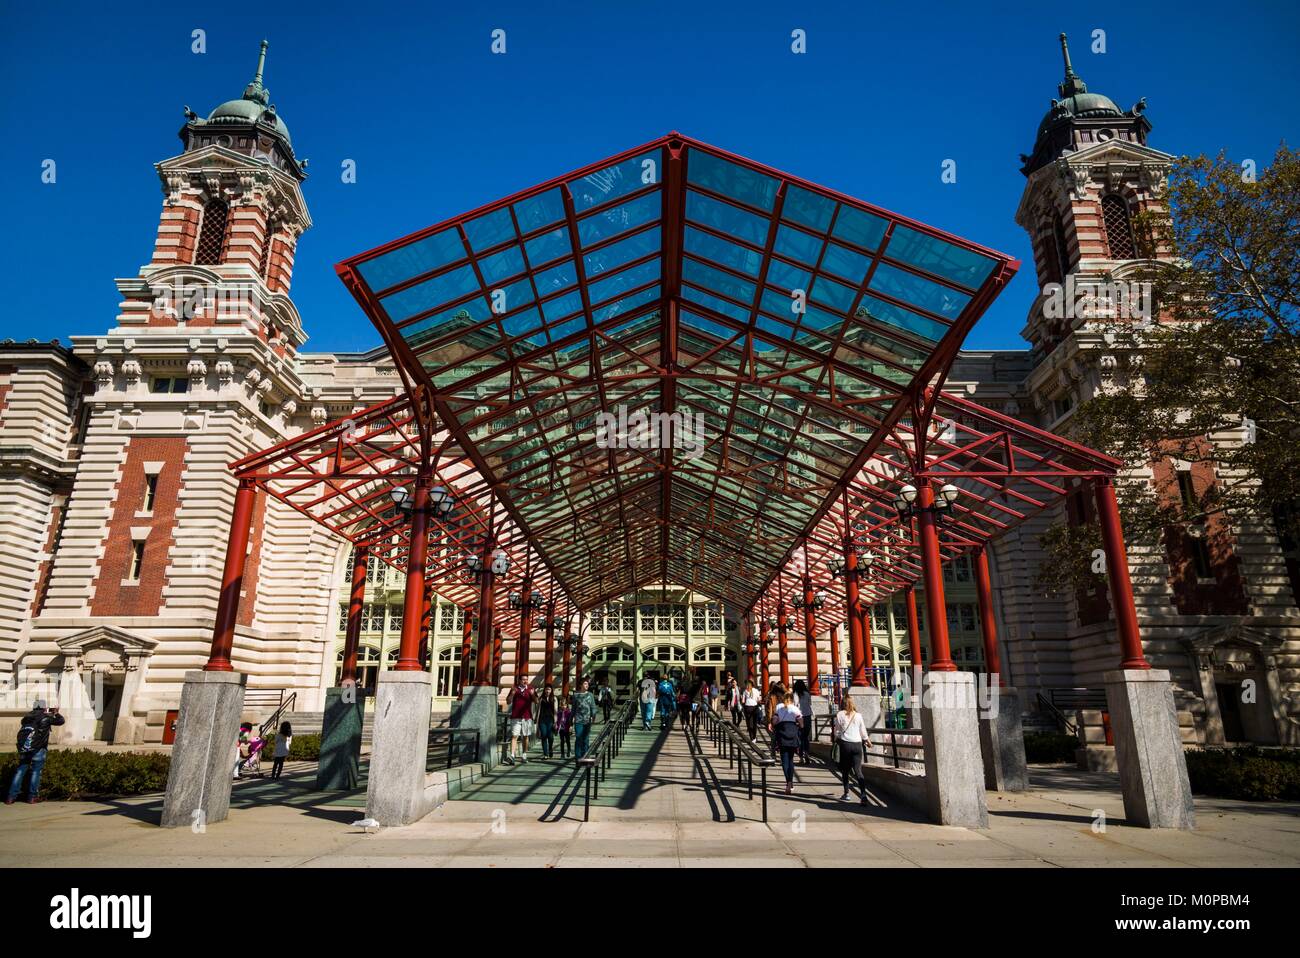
450 734
285 705
742 754
1050 708
601 754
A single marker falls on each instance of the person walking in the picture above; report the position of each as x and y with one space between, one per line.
850 735
749 703
546 721
282 743
733 700
605 696
804 700
775 695
584 716
520 700
564 725
649 697
33 747
701 703
667 701
787 728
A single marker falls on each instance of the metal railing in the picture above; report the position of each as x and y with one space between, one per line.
467 749
600 754
891 751
1070 700
1046 706
742 754
284 705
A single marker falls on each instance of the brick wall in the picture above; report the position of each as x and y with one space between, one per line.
111 596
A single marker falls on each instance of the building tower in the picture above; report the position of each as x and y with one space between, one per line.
199 370
1208 585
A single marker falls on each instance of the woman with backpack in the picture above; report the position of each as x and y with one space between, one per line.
804 699
787 729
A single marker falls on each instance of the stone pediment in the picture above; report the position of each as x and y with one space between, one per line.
105 639
1236 633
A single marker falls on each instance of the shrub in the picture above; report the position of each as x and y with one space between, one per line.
303 748
1050 748
83 773
1249 773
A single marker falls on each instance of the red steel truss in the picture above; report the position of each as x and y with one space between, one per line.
810 332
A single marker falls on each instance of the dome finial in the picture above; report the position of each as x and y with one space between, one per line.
1071 85
261 61
255 91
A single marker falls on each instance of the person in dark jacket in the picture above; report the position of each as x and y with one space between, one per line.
33 745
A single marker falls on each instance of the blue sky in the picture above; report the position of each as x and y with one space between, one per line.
438 125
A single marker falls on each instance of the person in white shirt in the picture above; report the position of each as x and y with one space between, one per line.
852 739
750 701
282 743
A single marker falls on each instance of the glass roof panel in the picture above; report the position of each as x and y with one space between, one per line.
765 359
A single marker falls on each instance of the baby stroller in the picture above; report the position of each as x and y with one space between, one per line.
251 763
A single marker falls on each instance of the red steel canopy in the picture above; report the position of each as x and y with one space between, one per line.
673 366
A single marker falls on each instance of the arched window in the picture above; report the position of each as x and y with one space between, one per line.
1119 227
212 234
449 672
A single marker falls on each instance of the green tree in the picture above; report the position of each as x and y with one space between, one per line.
1220 360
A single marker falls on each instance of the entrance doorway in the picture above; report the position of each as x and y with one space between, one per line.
106 721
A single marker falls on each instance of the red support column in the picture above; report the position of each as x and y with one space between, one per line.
426 626
864 619
764 641
466 651
859 651
782 641
835 660
232 579
810 634
408 655
525 632
749 645
913 626
1121 586
498 643
549 666
565 667
989 627
577 665
932 568
486 599
360 561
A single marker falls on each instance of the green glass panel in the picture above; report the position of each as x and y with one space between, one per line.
434 292
738 182
798 245
397 266
938 257
810 209
726 218
859 227
917 291
490 229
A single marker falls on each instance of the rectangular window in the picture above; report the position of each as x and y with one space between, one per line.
137 560
169 384
629 619
150 492
1186 491
395 615
968 617
343 619
954 617
1201 558
698 618
963 569
715 617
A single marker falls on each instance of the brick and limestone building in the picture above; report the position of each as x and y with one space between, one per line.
115 492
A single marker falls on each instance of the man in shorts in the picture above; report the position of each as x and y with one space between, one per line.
520 701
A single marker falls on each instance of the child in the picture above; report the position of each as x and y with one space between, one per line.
563 723
282 742
241 745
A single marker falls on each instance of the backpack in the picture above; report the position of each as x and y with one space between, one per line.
27 738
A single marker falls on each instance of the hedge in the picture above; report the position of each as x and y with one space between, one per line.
84 773
303 748
1249 773
1050 748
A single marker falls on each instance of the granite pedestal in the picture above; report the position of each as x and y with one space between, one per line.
1002 743
479 710
400 748
1149 749
340 739
205 751
954 769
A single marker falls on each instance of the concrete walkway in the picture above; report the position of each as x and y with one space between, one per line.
671 802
